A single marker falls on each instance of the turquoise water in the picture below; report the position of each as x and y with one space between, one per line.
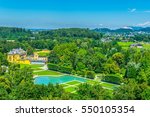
56 80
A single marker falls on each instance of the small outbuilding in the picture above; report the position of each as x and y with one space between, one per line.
137 45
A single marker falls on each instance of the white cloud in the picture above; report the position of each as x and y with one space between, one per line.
144 24
100 24
132 10
126 27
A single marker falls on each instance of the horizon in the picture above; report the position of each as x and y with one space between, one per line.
50 14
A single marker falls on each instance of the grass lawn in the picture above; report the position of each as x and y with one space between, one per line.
73 83
146 46
91 81
70 89
36 65
64 85
47 72
24 65
125 44
33 66
108 85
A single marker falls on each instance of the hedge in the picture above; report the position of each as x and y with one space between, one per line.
52 66
62 69
112 78
65 69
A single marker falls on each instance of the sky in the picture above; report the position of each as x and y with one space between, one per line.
51 14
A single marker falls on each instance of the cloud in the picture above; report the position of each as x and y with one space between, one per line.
100 24
144 24
126 27
132 10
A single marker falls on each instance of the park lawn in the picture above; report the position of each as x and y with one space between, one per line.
33 66
36 65
91 81
47 72
24 65
35 69
109 85
73 82
64 85
70 89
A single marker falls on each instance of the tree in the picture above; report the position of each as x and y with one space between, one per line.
119 58
132 70
126 91
3 93
111 68
53 58
30 51
146 94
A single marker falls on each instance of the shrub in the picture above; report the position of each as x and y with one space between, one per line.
90 74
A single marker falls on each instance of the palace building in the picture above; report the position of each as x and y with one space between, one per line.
18 56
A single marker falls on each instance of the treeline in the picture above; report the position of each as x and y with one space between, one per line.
70 32
12 33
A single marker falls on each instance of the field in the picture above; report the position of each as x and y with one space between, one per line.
46 72
33 66
147 46
126 45
73 85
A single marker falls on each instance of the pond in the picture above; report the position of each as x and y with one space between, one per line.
57 80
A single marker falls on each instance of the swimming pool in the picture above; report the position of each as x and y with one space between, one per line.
56 80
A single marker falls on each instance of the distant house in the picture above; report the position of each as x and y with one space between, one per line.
138 45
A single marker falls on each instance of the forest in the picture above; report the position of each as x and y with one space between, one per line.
77 52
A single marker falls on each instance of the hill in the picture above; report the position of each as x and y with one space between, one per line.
70 32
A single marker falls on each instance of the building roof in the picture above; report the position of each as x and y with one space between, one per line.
17 51
138 44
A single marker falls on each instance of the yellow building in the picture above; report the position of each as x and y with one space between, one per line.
18 56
